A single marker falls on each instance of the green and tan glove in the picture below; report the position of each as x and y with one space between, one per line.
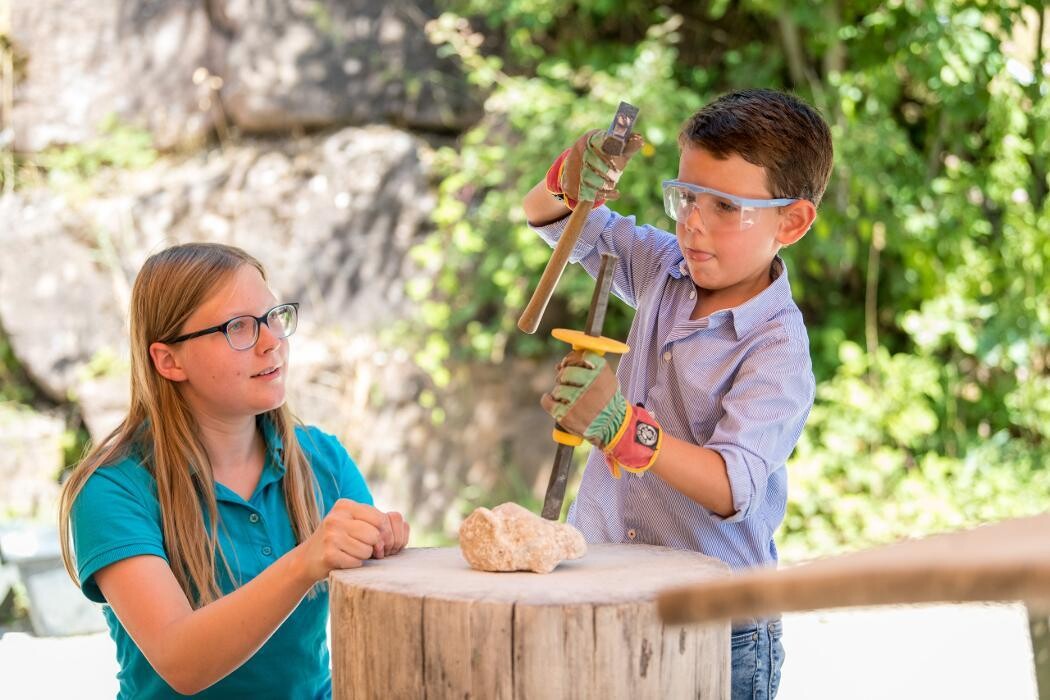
586 401
583 172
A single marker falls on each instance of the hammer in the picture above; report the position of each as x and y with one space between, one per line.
613 145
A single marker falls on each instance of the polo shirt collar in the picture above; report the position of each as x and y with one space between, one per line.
273 464
759 308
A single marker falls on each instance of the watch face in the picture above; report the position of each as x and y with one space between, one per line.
646 435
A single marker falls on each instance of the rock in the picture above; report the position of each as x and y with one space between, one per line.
183 70
30 460
90 61
329 62
511 538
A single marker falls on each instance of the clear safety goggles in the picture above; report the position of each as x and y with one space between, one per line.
719 212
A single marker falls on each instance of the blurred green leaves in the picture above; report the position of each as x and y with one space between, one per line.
117 145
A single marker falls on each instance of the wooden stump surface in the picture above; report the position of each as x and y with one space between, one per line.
424 624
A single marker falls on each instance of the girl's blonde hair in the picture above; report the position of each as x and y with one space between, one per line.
161 429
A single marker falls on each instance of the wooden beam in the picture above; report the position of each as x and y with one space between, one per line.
1004 561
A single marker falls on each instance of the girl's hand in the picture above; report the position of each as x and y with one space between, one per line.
347 536
393 535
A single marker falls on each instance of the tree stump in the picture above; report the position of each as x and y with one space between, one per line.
423 624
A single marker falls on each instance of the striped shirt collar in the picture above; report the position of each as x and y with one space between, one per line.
759 308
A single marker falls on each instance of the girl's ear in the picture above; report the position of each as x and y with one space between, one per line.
166 362
796 218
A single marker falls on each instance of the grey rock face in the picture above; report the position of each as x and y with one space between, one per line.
340 61
88 60
187 68
511 538
30 459
58 302
331 217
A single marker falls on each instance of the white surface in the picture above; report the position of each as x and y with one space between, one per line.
961 652
44 668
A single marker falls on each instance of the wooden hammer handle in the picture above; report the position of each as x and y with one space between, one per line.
530 317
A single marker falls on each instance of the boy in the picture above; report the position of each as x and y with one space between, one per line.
713 395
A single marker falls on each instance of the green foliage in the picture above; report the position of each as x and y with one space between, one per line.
870 466
75 444
70 168
482 234
118 145
923 281
15 386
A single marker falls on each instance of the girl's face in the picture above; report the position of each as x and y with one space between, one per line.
219 381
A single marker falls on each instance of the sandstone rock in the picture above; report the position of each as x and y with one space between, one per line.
511 538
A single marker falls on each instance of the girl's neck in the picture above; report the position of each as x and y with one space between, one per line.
232 445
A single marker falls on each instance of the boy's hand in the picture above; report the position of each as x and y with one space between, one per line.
585 172
586 400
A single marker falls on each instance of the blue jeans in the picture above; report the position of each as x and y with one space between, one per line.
757 658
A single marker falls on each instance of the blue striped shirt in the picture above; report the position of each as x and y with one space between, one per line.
738 381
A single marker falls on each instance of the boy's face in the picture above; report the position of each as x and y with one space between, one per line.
734 262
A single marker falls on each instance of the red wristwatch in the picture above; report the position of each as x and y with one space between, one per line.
636 444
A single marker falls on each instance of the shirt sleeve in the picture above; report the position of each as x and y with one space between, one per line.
643 251
114 517
764 412
351 482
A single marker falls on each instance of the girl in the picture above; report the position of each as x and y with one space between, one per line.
208 519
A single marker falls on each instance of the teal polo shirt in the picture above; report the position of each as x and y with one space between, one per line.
117 516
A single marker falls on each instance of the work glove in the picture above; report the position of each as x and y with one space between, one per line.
586 401
583 172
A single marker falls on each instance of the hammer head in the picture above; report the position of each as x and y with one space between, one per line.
620 129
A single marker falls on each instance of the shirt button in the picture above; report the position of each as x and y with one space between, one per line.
254 517
667 355
266 551
631 534
692 294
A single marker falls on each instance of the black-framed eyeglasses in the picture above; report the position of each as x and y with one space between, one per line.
242 332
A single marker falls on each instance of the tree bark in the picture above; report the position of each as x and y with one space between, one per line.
423 624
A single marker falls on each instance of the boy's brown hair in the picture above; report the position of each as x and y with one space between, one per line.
772 129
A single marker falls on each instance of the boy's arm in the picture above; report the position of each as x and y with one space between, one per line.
764 412
697 472
541 208
582 172
643 252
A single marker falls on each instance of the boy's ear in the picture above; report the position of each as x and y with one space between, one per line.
166 362
796 218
